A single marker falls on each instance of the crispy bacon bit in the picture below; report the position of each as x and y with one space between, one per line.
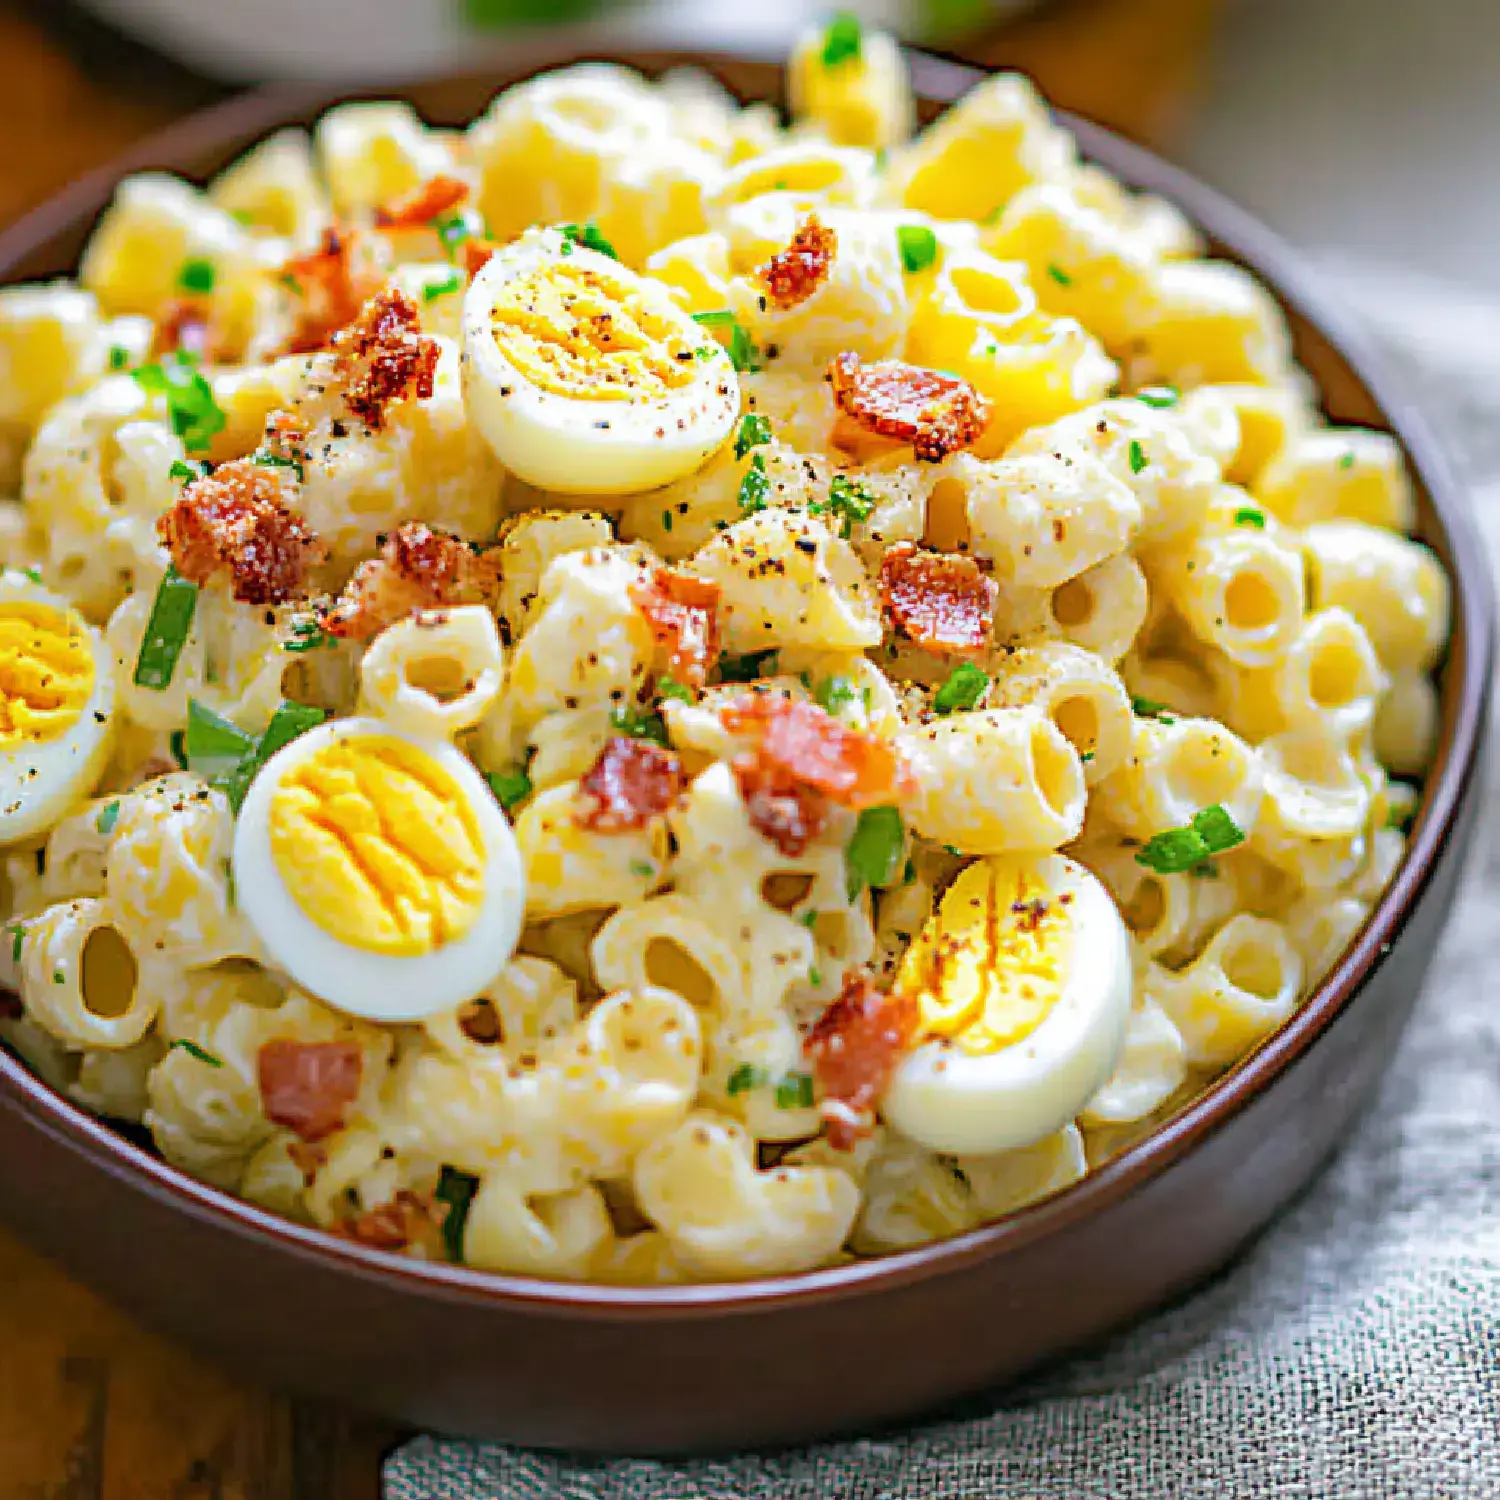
780 807
184 326
805 744
630 783
941 600
403 1221
385 357
937 414
329 289
855 1046
307 1086
237 519
792 275
285 436
427 201
419 568
683 612
476 253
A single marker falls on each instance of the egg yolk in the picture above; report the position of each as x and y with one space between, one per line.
576 332
990 965
378 845
46 673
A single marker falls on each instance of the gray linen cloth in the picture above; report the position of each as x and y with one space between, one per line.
1353 1353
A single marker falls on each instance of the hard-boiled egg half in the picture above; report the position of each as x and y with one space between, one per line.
57 702
379 870
1023 982
586 378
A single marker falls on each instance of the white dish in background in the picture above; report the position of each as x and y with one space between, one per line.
367 41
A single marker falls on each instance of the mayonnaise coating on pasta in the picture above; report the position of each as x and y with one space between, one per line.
632 694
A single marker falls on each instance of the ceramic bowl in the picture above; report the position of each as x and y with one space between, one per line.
712 1367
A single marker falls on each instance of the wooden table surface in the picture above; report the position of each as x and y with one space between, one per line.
92 1405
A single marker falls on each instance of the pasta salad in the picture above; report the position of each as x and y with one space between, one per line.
641 693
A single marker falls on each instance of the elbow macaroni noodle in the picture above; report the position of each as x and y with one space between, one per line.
1205 659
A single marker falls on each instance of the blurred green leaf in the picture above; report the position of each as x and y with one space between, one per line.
496 15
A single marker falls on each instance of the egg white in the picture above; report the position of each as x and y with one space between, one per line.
379 986
41 782
949 1100
574 445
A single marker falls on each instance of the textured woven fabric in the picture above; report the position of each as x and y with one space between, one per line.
1353 1354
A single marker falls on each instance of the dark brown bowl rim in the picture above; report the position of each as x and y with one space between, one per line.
1298 287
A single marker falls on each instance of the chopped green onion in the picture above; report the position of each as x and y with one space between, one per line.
834 693
107 818
669 687
17 937
795 1091
1086 757
1347 461
197 277
815 977
848 499
452 232
918 246
743 354
1177 850
307 635
809 918
289 722
455 1190
642 867
266 460
34 573
1149 708
57 977
639 726
1250 515
747 668
166 631
754 430
1138 459
511 788
187 472
755 486
119 357
589 237
215 747
875 850
965 686
1159 396
451 283
228 758
1059 275
843 40
1217 829
194 1050
744 1078
195 415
